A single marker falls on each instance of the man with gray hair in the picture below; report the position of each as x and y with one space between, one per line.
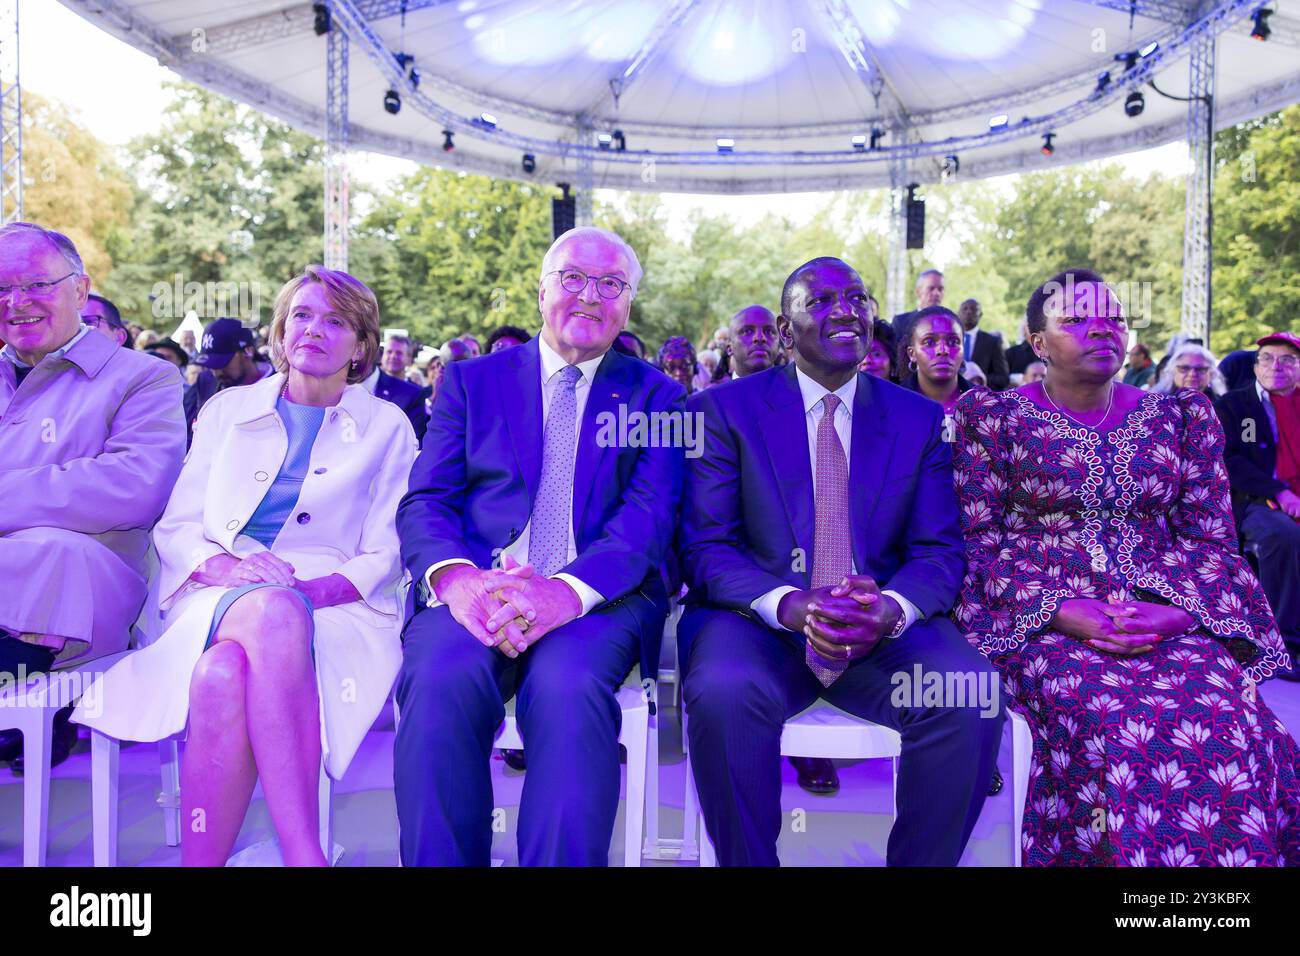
929 291
536 542
93 441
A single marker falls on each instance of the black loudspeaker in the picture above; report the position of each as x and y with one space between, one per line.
564 215
915 219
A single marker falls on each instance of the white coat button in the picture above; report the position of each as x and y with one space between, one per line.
320 471
261 476
304 518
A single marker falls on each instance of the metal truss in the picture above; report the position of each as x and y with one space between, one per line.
336 150
11 116
896 269
1198 254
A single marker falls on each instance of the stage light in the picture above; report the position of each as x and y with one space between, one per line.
620 141
415 77
530 163
392 102
860 143
951 166
1135 103
1047 149
1103 81
487 120
1261 30
447 144
1129 58
1150 48
998 122
604 140
876 136
726 144
322 23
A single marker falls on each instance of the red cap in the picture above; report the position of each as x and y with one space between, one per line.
1281 338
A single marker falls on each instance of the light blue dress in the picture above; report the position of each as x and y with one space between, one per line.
302 423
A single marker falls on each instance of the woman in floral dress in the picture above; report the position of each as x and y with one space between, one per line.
1105 585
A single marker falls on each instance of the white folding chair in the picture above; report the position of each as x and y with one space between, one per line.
823 730
634 735
30 708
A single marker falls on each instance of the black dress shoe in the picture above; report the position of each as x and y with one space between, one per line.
816 774
996 786
514 759
65 738
11 744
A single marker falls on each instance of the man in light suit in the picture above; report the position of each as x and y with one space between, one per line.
519 462
825 566
93 441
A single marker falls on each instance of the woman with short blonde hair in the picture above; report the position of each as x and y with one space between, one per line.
279 579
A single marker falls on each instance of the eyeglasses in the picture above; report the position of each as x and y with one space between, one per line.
1188 369
1281 361
572 280
34 290
94 321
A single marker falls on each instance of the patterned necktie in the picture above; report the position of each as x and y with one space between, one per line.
548 537
832 555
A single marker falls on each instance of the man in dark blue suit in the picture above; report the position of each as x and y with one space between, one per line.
821 544
520 462
387 381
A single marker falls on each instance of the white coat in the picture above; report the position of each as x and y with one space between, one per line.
344 523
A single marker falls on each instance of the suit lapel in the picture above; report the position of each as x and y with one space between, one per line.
523 391
871 449
784 432
610 387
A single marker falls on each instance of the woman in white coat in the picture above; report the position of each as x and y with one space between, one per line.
280 580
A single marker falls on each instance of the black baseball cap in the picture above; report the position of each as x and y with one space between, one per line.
222 338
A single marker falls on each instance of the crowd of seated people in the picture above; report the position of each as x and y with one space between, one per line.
857 508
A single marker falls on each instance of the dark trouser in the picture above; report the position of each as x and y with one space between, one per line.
451 692
32 658
1278 539
744 680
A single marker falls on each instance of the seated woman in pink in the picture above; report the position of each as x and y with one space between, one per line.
1104 583
279 578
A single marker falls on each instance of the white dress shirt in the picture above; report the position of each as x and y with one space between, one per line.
552 364
813 393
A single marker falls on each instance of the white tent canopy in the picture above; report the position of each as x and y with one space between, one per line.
791 81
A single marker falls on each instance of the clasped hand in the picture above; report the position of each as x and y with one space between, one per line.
509 609
1120 627
844 622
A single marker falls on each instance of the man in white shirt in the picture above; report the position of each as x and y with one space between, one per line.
537 542
826 568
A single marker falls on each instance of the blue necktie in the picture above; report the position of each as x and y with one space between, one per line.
548 537
970 344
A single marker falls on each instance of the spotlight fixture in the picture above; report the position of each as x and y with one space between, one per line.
392 102
999 121
604 140
726 144
447 144
951 166
415 77
322 22
1047 149
860 143
1135 103
1150 48
876 136
530 163
1129 58
487 121
1103 81
1261 30
620 141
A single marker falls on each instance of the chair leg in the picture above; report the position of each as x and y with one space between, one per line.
651 846
325 796
893 791
690 806
104 755
37 740
170 797
636 740
1022 749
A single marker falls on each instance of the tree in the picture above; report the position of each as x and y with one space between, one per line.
72 183
1256 246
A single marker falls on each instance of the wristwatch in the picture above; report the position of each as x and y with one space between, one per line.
899 627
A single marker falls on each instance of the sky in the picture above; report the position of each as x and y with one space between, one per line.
118 94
